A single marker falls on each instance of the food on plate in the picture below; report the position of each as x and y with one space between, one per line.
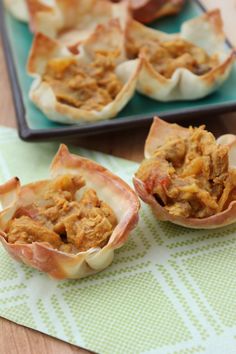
147 11
88 87
94 84
168 56
70 225
188 177
184 66
71 22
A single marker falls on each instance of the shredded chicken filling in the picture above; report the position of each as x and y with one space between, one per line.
168 56
57 217
86 86
190 177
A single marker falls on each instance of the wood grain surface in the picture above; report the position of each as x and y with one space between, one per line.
15 339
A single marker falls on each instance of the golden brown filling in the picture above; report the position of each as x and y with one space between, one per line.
57 217
85 86
190 177
168 56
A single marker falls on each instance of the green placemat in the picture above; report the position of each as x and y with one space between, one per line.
169 290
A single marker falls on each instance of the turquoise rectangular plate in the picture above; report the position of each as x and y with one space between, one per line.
33 124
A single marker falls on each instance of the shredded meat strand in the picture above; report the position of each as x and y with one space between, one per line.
86 86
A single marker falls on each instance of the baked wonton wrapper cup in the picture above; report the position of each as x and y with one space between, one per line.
72 21
60 265
157 136
42 95
206 32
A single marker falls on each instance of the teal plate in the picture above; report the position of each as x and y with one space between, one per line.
33 124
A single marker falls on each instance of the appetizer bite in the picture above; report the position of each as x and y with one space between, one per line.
71 22
146 11
70 225
188 177
184 66
90 86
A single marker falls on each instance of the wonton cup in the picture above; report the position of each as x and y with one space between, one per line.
205 32
60 265
159 131
42 94
72 21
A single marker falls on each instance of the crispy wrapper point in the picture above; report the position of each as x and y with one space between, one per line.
157 135
35 9
229 140
211 22
8 191
43 49
108 36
